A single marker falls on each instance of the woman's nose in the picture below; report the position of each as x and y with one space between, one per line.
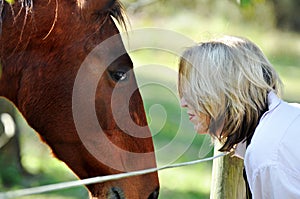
183 102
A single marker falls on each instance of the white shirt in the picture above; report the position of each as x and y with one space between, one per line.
272 160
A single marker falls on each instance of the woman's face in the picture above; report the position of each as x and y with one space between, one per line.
200 120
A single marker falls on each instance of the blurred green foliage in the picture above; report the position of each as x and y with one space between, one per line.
10 1
244 2
284 15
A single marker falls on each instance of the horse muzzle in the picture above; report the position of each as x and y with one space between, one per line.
117 193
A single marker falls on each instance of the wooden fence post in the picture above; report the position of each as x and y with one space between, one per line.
227 177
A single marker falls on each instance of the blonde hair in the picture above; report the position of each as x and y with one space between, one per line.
229 80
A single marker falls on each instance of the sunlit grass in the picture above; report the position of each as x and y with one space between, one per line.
181 182
291 79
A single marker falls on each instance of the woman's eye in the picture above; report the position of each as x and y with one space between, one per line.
118 75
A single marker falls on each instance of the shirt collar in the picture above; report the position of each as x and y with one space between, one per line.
273 102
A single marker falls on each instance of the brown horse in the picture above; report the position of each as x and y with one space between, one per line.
43 44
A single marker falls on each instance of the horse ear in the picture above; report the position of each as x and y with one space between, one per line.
94 6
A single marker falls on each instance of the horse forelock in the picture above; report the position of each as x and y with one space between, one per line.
118 12
1 13
27 4
113 8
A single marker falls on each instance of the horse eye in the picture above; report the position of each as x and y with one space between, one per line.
118 75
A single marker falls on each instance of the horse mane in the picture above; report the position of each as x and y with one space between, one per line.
27 4
115 9
1 11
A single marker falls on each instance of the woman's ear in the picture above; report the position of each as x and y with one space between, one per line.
91 7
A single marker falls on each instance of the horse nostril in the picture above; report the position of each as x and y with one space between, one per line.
154 194
115 193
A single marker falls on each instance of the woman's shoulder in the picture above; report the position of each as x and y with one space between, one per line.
296 105
276 139
292 110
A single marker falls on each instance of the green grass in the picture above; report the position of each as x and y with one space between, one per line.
191 182
43 167
174 137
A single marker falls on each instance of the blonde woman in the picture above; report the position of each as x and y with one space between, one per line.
230 90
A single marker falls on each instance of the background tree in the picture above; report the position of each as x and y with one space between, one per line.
287 14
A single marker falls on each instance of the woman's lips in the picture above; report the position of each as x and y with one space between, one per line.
191 116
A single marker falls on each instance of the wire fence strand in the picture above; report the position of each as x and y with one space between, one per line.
99 179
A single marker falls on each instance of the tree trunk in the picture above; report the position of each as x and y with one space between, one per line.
287 14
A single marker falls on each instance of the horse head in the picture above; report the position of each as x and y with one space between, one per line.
83 100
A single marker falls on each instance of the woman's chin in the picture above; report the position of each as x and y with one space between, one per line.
199 131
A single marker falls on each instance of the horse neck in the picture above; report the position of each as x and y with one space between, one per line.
10 53
9 82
